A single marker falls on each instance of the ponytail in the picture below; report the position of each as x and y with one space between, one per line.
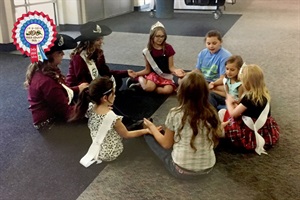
97 89
32 67
81 106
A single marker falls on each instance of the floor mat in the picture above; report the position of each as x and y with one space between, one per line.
39 166
191 24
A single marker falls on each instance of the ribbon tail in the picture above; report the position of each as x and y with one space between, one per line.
34 53
42 55
260 143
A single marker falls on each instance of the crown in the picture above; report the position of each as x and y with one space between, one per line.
157 24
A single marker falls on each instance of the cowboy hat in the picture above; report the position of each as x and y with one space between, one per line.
62 42
91 31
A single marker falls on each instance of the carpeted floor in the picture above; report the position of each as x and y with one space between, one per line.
191 24
49 163
267 33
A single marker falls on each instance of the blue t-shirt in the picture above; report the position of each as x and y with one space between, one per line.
212 66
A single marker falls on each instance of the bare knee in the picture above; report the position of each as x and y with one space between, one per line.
167 89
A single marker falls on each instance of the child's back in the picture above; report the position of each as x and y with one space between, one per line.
112 145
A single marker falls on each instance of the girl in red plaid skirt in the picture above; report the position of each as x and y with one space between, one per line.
252 104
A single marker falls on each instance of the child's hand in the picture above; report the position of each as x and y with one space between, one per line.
211 85
131 73
230 99
159 128
148 123
223 124
82 86
179 73
151 127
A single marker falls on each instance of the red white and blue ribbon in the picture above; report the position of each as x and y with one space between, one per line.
34 34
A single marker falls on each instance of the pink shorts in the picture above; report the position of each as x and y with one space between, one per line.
159 81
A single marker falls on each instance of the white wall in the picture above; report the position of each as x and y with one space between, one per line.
142 2
69 12
6 21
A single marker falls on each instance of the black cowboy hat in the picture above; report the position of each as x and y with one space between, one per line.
63 42
91 31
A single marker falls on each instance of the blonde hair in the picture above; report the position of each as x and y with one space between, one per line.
253 81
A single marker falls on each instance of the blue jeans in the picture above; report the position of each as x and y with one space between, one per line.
216 100
165 156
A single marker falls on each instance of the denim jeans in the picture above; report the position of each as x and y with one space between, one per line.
165 156
216 100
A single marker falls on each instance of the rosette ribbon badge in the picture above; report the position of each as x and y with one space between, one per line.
34 34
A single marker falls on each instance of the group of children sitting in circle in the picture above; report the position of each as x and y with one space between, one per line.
221 99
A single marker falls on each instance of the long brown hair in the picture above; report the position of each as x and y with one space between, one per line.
93 52
193 95
98 88
47 68
152 35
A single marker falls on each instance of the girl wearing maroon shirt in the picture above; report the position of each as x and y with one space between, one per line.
48 96
158 75
87 59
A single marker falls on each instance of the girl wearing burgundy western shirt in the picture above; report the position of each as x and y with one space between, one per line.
48 96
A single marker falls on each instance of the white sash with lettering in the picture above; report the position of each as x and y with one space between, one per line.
92 155
154 66
91 65
260 141
70 93
93 68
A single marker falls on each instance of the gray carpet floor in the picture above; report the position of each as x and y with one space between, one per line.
266 34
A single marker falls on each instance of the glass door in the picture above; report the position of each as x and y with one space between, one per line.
48 7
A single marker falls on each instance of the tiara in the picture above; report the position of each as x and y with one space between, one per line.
157 24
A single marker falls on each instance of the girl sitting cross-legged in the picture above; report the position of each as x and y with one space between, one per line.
251 125
192 129
107 129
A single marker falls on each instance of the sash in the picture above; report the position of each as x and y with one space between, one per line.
91 65
225 83
260 141
154 66
69 92
93 68
92 155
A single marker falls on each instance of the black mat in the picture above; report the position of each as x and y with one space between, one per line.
183 24
46 166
